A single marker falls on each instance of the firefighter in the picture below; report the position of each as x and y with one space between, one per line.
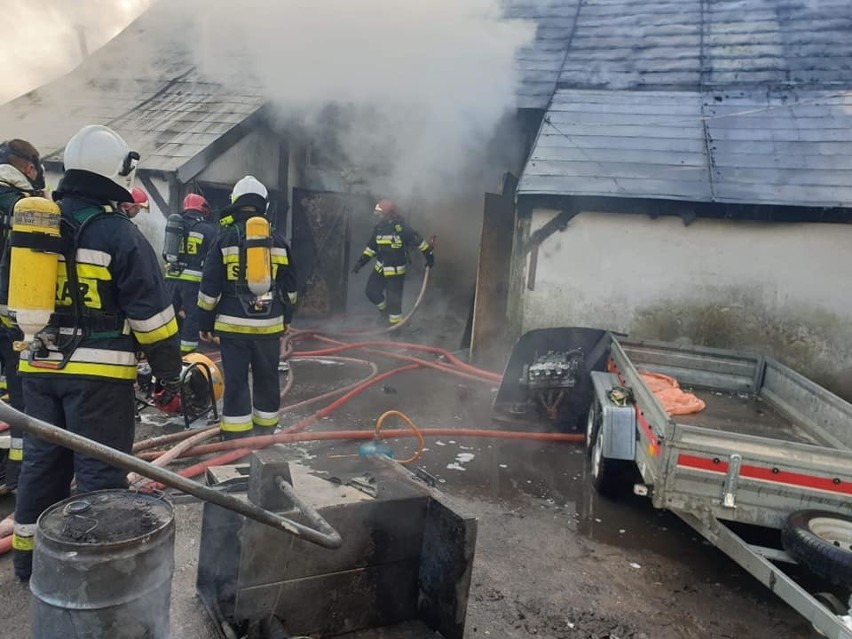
80 377
389 244
21 175
246 298
139 203
183 269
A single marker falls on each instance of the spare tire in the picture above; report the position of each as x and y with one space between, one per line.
822 542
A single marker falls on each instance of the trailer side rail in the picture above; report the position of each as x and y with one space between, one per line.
808 403
754 480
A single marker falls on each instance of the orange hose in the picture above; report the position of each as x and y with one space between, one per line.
135 480
271 439
405 358
403 417
162 440
5 545
463 366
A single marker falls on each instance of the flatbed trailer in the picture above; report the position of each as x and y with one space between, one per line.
769 443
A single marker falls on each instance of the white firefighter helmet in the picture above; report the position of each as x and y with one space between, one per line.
249 191
249 185
100 150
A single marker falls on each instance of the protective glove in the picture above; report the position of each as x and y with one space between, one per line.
167 396
430 260
357 267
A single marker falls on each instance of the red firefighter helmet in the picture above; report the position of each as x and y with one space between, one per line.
140 198
195 202
386 208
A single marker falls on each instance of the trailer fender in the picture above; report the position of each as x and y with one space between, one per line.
618 423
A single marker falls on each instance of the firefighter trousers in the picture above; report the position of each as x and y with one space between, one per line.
100 410
9 358
244 409
185 299
386 293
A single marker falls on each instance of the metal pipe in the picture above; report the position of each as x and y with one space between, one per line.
86 446
325 532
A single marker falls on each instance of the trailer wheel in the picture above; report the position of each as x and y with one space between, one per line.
592 420
822 542
610 477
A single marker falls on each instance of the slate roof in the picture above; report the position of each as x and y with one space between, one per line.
540 63
143 84
737 147
741 101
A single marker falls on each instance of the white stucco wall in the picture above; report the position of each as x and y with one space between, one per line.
153 223
781 289
256 154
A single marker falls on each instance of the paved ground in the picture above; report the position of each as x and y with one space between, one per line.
552 560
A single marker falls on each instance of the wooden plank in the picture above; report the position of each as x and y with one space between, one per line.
488 338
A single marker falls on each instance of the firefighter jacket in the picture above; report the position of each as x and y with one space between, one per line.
121 304
389 244
14 186
200 235
227 306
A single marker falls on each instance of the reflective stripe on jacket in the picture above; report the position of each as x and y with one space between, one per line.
389 244
222 299
126 304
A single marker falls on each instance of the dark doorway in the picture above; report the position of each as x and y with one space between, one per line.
321 248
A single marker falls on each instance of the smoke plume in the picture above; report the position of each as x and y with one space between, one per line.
45 39
407 93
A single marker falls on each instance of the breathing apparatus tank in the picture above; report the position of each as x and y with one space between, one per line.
258 256
34 261
174 241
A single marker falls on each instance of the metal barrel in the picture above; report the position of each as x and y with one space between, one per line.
102 567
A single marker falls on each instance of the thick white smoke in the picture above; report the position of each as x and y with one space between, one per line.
411 90
42 40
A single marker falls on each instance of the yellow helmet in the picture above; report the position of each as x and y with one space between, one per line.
215 373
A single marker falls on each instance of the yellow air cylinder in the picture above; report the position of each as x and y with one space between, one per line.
33 267
258 256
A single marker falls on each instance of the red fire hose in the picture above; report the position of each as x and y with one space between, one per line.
345 346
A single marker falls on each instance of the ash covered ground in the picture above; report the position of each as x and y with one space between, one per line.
552 559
